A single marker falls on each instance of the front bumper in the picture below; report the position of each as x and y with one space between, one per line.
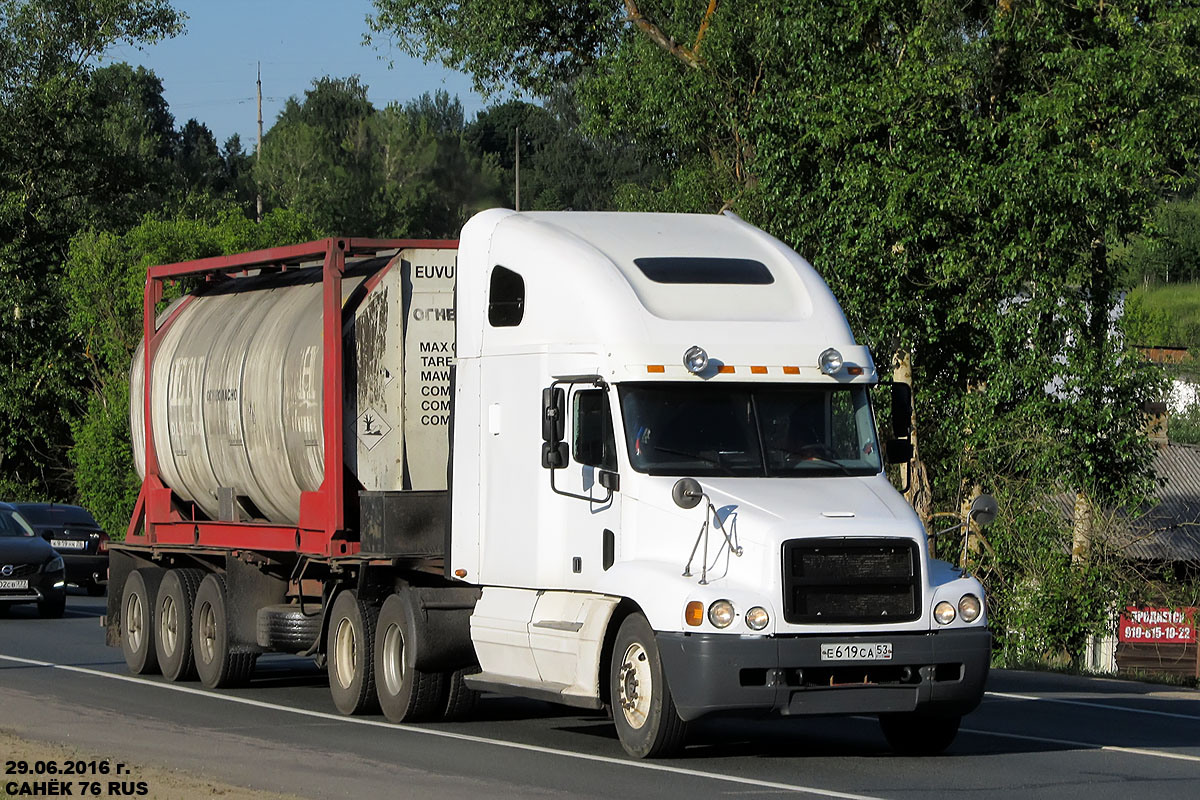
936 671
41 588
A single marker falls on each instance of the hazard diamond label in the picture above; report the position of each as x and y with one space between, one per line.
371 428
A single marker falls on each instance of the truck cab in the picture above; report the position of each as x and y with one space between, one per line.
667 479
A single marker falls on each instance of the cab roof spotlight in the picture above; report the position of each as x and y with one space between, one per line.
695 359
830 361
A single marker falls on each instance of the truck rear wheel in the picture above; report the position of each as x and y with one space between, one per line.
173 613
348 648
217 662
406 694
137 620
644 713
460 698
919 734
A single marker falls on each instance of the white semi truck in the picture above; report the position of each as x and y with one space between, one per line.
623 461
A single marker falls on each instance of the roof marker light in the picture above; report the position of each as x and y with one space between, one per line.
758 370
655 368
725 368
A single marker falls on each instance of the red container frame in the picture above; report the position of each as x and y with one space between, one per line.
158 517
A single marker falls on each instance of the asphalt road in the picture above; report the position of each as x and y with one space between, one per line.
1035 736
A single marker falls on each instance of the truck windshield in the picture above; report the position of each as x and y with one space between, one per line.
749 430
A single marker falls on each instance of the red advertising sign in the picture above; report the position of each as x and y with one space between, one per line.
1162 625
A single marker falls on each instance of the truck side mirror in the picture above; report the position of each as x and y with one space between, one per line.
902 409
984 509
554 416
899 451
609 480
554 456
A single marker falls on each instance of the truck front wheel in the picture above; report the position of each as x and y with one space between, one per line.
218 663
137 620
406 694
348 649
919 734
647 722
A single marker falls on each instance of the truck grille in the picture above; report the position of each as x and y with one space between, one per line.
851 580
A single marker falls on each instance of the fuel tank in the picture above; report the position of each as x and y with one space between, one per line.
236 385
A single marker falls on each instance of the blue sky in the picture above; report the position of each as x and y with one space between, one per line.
209 71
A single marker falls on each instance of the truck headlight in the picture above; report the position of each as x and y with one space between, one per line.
943 612
969 607
720 613
757 618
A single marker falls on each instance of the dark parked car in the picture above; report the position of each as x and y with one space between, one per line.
30 570
78 538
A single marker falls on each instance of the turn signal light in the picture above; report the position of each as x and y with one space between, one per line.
694 613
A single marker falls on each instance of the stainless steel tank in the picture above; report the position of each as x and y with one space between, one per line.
236 388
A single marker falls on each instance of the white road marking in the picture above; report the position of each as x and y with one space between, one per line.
1088 745
654 767
1108 706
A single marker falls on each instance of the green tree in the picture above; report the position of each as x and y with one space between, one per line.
1169 249
402 171
59 174
562 166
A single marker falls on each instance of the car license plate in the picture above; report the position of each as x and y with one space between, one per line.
14 584
859 651
67 544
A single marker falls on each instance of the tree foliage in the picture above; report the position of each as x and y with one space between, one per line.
404 170
60 126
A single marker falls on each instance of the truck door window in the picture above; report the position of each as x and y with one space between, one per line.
506 298
592 441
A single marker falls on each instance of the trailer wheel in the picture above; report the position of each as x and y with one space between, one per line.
644 713
137 620
173 611
348 647
919 734
406 694
460 698
217 662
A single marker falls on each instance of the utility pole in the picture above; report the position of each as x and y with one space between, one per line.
517 173
258 150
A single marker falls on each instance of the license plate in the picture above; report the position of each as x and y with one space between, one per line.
13 584
68 544
860 651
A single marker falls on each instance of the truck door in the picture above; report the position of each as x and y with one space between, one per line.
587 511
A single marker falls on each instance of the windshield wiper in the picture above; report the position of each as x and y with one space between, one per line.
716 462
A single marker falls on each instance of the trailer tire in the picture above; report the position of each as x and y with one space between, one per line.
406 694
137 620
460 698
644 712
173 608
349 646
287 629
919 734
218 663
